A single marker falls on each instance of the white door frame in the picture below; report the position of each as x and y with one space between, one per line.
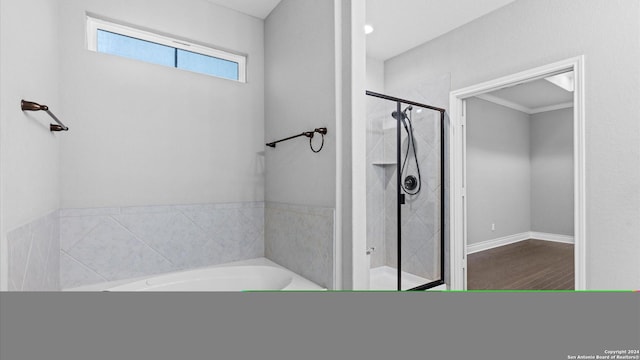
457 168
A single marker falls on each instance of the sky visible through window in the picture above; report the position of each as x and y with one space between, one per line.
129 47
207 65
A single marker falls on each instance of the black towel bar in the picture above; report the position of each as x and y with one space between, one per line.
32 106
322 131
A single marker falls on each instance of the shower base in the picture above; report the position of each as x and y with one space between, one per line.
386 278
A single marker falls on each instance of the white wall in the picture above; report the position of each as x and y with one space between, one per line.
552 172
531 33
498 171
520 171
300 96
315 76
29 152
144 134
351 199
375 75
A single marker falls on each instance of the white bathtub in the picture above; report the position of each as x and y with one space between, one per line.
256 274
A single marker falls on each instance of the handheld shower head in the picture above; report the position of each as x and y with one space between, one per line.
404 113
403 117
408 108
412 184
397 116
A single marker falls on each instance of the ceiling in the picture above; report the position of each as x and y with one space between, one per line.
400 25
258 8
532 97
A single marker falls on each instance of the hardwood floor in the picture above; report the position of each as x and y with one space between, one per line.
526 265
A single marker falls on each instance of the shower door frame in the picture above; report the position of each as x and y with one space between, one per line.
399 194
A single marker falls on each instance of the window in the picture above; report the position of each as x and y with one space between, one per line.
110 38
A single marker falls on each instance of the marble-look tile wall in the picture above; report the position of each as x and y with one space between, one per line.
421 217
301 238
34 261
378 110
421 212
108 244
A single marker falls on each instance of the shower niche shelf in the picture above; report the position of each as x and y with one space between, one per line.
383 163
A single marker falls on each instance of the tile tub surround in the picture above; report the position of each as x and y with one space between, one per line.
108 244
301 238
34 262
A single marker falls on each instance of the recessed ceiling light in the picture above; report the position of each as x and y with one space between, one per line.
564 80
368 29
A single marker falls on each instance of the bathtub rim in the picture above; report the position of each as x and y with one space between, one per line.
298 283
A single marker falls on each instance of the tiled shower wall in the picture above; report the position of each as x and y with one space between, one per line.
110 244
421 218
378 111
301 239
34 260
421 222
421 212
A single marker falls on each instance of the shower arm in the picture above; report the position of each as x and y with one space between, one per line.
309 134
32 106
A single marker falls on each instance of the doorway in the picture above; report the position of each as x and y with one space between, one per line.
463 231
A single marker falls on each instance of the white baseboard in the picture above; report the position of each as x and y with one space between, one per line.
512 239
494 243
567 239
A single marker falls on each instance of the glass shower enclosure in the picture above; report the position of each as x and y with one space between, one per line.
405 194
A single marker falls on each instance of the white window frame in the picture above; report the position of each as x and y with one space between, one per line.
94 24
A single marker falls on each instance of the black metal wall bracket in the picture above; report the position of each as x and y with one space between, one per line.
32 106
322 131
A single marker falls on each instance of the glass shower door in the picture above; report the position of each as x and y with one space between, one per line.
413 178
420 192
